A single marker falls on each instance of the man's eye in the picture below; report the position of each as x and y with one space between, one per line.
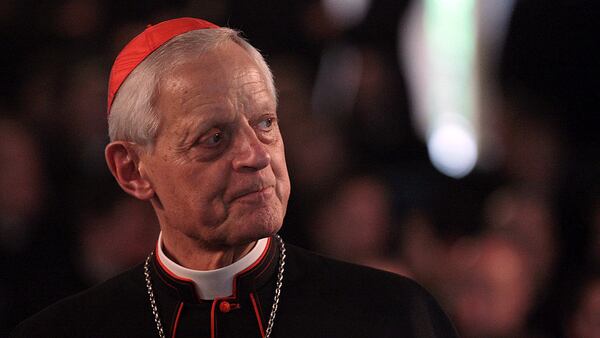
214 139
266 124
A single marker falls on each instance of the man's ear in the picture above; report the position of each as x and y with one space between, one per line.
123 162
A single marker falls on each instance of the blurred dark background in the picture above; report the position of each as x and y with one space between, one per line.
511 250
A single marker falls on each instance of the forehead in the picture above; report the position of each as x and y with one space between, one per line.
223 71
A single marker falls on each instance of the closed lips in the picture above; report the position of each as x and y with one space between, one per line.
249 191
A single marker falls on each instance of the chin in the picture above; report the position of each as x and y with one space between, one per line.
256 226
255 222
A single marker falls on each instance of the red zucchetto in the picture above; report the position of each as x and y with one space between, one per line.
144 44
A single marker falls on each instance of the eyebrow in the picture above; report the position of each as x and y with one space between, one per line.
199 121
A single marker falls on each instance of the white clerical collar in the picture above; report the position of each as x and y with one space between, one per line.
216 283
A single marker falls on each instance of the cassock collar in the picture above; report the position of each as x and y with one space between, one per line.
211 284
250 278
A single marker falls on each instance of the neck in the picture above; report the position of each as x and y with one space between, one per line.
192 254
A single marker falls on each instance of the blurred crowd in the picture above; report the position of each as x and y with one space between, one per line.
511 250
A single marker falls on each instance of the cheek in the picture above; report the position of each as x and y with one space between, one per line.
277 153
281 174
205 187
197 200
190 187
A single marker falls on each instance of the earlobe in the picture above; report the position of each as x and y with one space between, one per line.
123 162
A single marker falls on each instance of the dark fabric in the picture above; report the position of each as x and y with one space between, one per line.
320 297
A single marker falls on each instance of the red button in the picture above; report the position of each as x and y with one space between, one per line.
225 306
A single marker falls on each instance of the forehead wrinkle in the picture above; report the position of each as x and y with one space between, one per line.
200 102
254 87
250 78
197 103
250 89
248 72
255 102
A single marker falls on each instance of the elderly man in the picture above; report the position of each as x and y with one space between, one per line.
193 128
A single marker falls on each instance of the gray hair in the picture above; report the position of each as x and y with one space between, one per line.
133 115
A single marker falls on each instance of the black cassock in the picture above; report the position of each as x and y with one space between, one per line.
320 297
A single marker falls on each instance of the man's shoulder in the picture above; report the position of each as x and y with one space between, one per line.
105 302
327 269
331 289
330 276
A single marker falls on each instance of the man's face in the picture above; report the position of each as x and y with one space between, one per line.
218 167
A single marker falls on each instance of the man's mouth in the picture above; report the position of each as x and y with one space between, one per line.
252 195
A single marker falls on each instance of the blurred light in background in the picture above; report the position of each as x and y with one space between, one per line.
440 54
346 13
453 149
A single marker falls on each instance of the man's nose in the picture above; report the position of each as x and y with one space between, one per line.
251 154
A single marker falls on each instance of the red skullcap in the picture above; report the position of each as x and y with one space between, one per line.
144 44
